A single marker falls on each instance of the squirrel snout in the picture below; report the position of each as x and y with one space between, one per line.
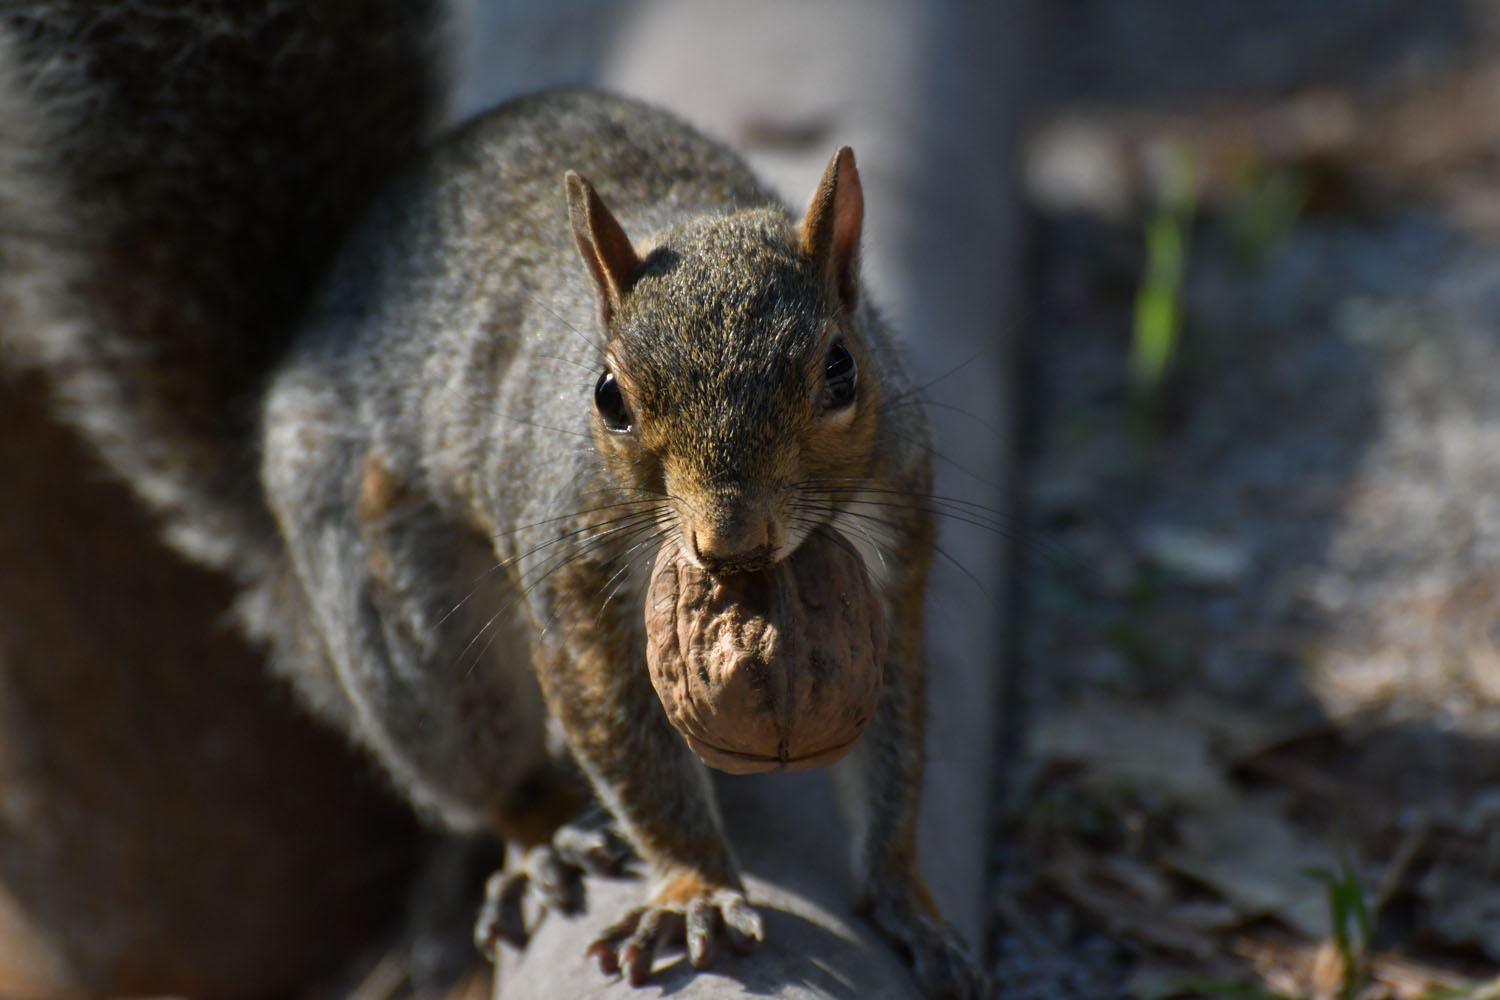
735 545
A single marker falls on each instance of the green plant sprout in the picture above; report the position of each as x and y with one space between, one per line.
1352 931
1158 301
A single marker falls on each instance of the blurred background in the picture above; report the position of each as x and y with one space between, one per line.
1258 681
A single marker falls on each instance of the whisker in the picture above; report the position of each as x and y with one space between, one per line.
556 430
643 536
569 516
508 563
634 552
917 390
937 549
950 407
928 448
477 582
597 346
591 543
565 360
982 515
505 564
863 486
612 528
971 513
801 507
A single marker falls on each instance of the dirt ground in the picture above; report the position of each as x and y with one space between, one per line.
1255 732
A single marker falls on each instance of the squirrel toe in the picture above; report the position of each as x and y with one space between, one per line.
700 922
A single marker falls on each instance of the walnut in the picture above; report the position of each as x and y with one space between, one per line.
776 670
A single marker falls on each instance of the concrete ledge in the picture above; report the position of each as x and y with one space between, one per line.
789 839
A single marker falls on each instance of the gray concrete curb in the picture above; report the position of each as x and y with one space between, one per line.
790 842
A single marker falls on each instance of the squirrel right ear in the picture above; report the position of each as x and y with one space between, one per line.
830 231
612 261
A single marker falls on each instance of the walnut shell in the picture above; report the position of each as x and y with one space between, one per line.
776 670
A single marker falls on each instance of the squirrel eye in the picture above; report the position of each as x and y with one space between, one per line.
838 378
610 402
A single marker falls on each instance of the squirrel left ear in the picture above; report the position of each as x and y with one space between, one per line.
612 261
829 233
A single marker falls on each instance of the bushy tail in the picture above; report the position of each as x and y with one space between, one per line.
174 177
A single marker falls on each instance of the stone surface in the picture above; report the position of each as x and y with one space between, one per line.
788 836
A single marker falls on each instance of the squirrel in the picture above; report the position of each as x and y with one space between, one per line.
505 384
437 448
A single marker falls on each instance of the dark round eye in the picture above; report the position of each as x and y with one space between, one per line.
610 402
838 378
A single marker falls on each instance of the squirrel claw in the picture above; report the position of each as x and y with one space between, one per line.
941 964
602 952
630 945
552 874
501 917
592 846
555 884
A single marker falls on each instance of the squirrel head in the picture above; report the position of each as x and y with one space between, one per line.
737 380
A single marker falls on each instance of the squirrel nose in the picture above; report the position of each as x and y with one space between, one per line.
734 545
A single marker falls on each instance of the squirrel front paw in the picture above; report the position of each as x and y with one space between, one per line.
941 963
687 909
552 875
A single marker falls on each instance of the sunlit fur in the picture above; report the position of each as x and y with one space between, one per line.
725 387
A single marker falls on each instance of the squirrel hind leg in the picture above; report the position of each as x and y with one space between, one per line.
441 903
550 874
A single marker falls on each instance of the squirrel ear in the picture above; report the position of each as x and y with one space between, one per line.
830 231
605 248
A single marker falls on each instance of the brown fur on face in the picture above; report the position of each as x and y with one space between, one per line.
722 368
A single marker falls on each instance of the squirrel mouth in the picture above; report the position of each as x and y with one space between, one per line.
756 560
